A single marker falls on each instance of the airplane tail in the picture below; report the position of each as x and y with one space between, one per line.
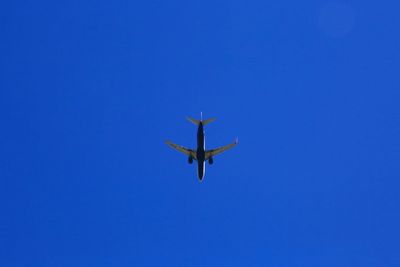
197 122
194 121
207 121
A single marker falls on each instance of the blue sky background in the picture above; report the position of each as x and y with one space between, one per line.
89 91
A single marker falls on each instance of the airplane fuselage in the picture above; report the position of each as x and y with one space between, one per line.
200 152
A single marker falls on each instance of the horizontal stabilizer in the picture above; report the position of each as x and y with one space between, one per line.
197 122
205 122
194 121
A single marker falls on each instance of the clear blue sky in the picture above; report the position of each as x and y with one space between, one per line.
89 91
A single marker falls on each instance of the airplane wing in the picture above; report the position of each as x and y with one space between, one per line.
214 152
188 152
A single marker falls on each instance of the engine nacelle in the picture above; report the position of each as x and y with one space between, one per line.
210 161
190 160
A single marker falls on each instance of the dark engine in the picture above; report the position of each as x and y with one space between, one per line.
190 160
210 161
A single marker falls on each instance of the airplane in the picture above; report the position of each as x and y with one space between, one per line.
201 155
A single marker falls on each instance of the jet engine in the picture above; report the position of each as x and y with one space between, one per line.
210 160
190 160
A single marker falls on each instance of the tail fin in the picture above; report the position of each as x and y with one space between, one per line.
197 122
